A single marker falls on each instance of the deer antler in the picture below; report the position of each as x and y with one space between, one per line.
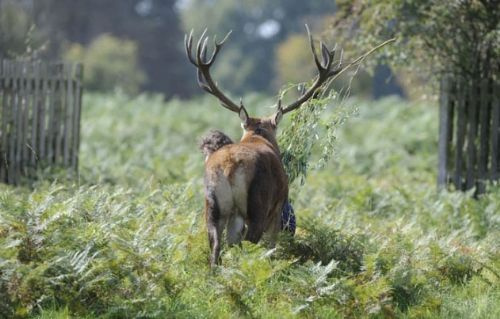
326 70
203 65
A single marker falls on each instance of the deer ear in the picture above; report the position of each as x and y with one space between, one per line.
243 115
277 117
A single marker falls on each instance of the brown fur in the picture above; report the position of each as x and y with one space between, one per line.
245 185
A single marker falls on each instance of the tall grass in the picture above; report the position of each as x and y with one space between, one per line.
126 239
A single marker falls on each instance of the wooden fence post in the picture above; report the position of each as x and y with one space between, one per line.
495 131
444 124
469 127
40 105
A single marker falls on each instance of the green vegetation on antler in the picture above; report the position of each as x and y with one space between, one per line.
374 238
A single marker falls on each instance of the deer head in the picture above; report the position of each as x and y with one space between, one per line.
327 68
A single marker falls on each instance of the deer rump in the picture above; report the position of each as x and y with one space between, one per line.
244 190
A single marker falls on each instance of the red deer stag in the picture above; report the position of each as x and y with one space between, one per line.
245 182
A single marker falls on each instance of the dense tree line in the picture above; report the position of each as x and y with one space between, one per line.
433 37
144 50
153 25
157 27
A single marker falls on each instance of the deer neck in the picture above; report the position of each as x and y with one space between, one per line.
262 136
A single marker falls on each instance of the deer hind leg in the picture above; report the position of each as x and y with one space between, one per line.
215 226
256 222
254 233
256 210
274 225
214 239
235 227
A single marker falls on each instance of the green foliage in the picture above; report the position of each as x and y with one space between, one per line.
17 33
324 244
423 29
110 63
312 130
127 239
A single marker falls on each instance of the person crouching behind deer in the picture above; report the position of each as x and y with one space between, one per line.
245 183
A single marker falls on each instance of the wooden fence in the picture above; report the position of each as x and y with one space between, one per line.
469 133
40 106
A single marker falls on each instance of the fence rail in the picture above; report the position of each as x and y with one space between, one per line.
40 107
469 133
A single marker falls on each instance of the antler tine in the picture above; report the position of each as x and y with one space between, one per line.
200 47
328 55
188 44
313 48
218 46
204 51
224 39
325 53
339 67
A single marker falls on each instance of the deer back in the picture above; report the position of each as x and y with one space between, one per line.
248 174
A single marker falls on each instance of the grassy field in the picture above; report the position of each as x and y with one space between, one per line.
126 239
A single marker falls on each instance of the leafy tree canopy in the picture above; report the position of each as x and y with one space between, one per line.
434 36
17 36
110 64
152 24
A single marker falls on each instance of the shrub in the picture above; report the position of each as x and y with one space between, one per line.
323 244
14 28
128 240
110 63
